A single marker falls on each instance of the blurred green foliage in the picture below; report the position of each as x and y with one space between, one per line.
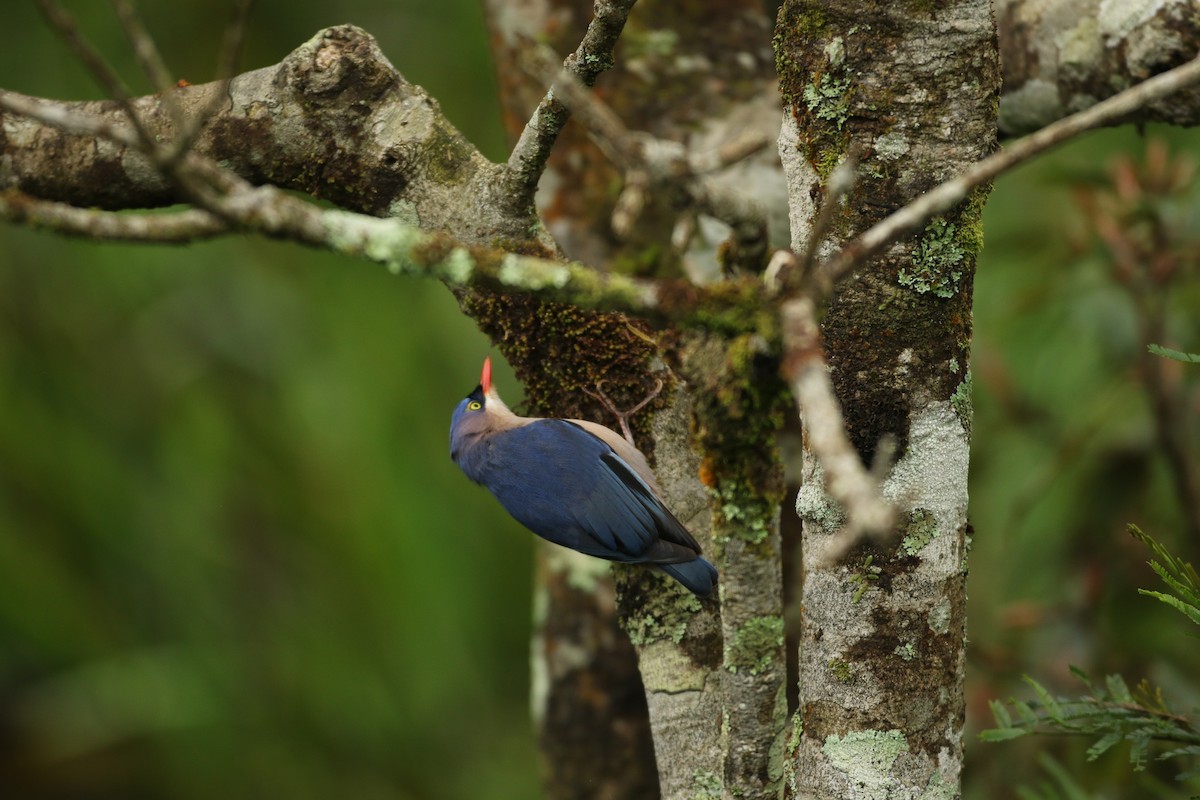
235 559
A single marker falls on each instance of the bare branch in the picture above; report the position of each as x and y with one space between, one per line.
839 185
144 49
168 228
594 55
106 76
946 195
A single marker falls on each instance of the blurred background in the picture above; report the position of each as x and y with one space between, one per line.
236 560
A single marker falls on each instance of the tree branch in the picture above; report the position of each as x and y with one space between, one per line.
594 55
170 228
1061 56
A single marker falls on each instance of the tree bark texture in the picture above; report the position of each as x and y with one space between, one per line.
881 658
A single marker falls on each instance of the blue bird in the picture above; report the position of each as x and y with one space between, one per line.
575 483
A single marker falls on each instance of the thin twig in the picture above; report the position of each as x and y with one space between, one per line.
144 49
594 55
163 228
231 50
106 76
839 185
946 195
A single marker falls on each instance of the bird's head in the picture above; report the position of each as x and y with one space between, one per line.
480 413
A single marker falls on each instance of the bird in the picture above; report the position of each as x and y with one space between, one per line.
575 483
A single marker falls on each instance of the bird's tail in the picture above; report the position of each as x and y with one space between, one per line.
698 576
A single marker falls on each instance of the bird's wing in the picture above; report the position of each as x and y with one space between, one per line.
572 488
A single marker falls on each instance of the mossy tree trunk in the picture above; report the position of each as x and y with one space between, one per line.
688 671
915 86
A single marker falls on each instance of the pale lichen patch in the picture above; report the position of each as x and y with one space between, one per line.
933 472
866 757
535 275
667 669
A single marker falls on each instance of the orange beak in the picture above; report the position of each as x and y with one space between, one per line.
485 379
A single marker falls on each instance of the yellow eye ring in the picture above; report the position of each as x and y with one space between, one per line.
474 405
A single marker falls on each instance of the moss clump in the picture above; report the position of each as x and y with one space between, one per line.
840 670
662 615
938 263
828 96
919 530
816 83
706 785
740 406
755 645
747 516
798 22
584 346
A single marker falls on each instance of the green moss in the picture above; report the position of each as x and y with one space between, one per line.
755 645
789 763
816 83
906 651
662 615
745 515
828 96
798 22
938 263
740 407
961 401
862 578
919 530
706 785
840 670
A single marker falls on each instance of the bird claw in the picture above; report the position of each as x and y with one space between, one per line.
623 416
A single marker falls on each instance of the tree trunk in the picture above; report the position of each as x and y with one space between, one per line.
881 658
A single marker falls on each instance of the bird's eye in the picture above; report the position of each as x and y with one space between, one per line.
474 405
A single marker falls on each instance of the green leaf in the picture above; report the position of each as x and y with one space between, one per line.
1137 753
1188 610
1003 718
1026 713
1117 689
1001 734
1049 704
1166 352
1081 676
1102 746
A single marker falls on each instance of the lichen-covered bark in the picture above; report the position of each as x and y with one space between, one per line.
1061 56
881 658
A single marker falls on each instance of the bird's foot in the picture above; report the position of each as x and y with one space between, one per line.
623 416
